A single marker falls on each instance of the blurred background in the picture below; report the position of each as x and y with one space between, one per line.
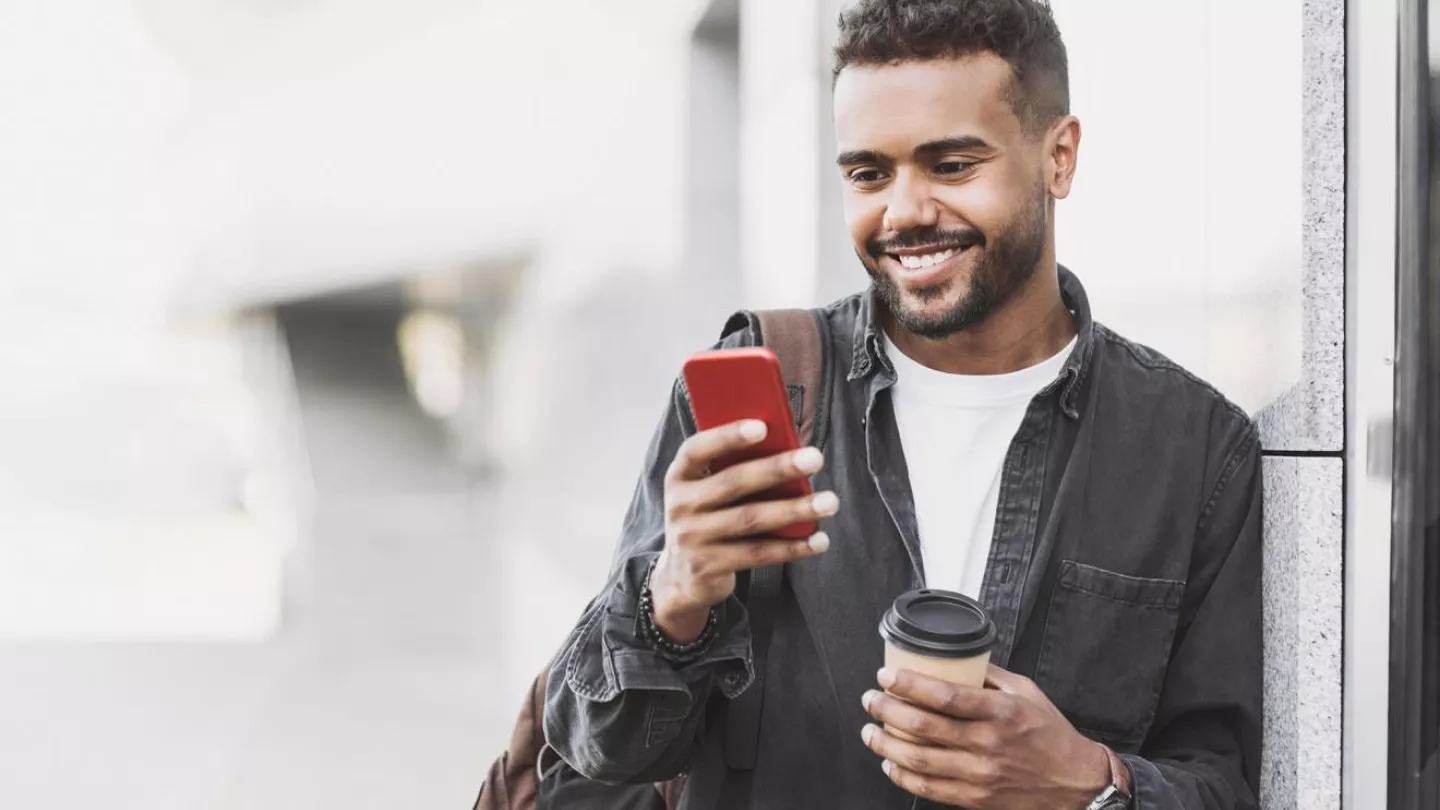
333 333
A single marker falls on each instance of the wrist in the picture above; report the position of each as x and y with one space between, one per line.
679 648
682 626
680 621
1093 774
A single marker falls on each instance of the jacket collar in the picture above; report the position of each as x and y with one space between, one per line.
868 355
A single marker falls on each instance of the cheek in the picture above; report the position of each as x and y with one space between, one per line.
864 216
980 205
988 202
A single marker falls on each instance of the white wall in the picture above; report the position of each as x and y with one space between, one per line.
1185 220
780 89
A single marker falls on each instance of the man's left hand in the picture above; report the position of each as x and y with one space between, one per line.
1004 746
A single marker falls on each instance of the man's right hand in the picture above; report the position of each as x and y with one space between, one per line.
708 538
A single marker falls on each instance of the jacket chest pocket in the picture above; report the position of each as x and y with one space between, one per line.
1105 650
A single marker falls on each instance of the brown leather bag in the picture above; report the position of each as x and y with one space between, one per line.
514 780
797 337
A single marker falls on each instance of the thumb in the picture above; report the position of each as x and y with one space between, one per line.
1021 687
1012 684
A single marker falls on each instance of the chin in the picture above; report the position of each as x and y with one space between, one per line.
932 301
928 320
926 308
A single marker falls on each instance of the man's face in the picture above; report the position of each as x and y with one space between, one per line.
944 193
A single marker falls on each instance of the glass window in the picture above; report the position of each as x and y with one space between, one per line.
1415 604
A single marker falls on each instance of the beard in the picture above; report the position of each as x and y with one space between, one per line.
1003 265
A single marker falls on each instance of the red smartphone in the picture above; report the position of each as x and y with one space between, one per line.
729 385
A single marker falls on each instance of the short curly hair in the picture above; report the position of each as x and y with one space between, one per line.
1022 32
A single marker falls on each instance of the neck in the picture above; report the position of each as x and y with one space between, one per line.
1033 326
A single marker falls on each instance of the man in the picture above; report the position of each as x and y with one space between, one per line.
987 437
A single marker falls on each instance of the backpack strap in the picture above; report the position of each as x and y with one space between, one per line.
798 337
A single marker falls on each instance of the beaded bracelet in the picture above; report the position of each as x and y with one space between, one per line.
651 633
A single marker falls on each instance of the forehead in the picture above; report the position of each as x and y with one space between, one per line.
893 108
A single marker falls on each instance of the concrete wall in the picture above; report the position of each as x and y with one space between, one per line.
1304 584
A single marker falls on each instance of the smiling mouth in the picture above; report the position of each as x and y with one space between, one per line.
921 261
929 263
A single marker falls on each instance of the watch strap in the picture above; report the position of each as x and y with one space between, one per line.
1119 772
1118 795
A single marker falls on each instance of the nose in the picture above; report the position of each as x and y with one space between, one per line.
910 204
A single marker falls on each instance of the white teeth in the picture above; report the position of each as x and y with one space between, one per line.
928 260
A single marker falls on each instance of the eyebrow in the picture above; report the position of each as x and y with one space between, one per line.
959 143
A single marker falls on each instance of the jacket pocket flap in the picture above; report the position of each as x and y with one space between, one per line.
1163 593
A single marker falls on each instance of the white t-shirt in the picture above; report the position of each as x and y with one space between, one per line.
956 430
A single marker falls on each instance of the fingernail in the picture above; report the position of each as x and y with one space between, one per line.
867 732
752 430
887 766
886 677
868 698
825 504
807 460
819 542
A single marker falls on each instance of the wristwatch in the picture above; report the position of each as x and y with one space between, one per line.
1119 795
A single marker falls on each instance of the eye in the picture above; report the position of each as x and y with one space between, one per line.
953 168
865 177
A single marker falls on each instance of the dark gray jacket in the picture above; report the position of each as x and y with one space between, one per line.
1124 578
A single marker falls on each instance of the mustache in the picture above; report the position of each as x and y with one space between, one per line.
926 237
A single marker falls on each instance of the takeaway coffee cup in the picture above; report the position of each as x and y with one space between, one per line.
938 633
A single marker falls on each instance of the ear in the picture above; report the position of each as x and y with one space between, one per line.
1062 151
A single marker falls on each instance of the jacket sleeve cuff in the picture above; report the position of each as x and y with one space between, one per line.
613 658
1149 785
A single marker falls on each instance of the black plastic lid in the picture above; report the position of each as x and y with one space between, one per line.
941 624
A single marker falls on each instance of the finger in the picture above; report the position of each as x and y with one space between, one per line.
934 788
692 460
927 760
764 517
953 700
916 721
753 477
742 555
